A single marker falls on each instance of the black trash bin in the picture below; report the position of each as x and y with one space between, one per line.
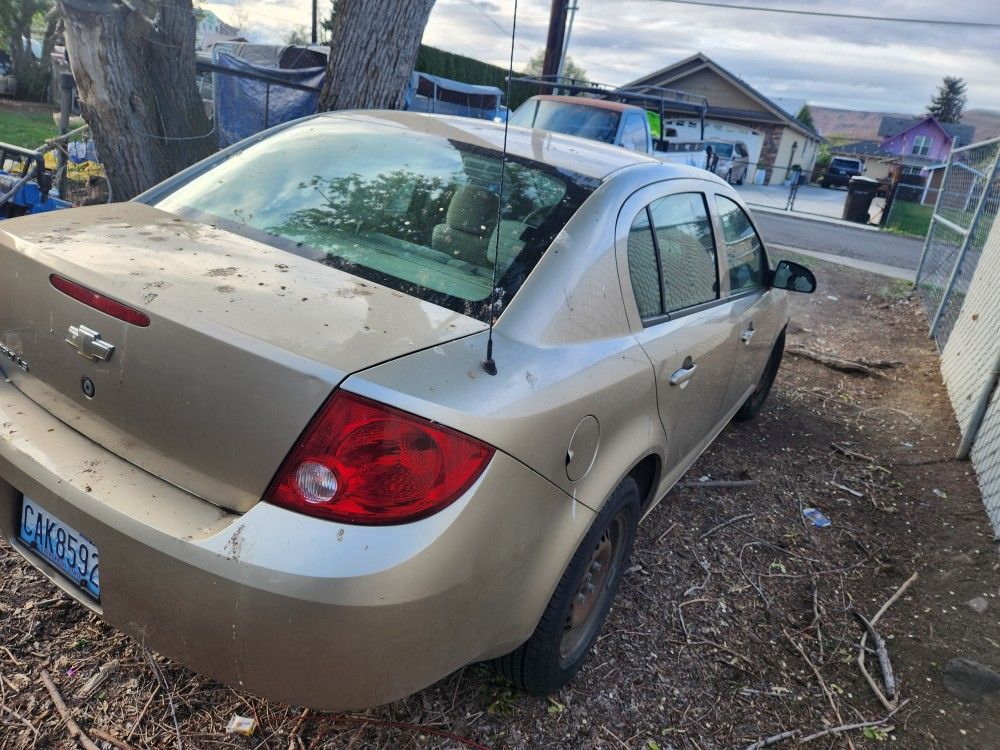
860 192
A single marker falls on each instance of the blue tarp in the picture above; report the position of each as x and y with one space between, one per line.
427 93
244 106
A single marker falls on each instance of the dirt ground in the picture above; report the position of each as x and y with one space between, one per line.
722 634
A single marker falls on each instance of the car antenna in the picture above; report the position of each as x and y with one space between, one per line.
489 365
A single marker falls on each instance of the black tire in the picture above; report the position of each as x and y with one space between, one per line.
729 177
752 406
543 663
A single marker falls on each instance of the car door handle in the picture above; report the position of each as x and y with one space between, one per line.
747 335
683 375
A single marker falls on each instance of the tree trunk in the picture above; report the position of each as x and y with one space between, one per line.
373 46
136 80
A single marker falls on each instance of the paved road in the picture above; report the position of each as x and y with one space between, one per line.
874 247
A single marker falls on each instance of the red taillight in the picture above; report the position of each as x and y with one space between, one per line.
365 463
98 301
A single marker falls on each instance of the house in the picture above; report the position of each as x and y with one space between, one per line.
787 141
210 25
912 150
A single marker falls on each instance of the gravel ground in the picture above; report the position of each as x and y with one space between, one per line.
737 618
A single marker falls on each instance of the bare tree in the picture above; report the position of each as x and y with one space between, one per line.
134 70
373 46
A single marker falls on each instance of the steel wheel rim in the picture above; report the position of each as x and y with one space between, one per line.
593 590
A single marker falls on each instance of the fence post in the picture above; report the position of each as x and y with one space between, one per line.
930 227
966 241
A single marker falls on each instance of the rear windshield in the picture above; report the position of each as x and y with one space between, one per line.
595 123
412 211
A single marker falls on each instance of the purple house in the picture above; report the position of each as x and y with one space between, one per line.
917 147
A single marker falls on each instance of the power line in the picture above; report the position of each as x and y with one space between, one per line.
843 16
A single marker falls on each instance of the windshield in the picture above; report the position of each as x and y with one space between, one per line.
572 119
415 212
847 164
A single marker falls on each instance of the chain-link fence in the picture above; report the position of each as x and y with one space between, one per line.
967 204
958 281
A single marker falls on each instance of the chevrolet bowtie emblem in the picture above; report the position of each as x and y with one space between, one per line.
88 344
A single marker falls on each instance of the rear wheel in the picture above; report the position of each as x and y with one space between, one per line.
578 608
752 406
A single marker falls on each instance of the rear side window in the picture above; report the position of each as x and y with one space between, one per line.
744 250
644 268
686 249
672 258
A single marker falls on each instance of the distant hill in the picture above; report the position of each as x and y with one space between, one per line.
853 124
858 125
986 121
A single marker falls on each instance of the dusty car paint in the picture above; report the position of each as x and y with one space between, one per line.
166 474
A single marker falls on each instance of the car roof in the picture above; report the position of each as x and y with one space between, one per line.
587 102
581 155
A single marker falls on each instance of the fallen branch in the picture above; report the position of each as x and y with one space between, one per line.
852 454
890 704
883 657
840 364
774 739
720 483
20 718
108 737
858 725
71 726
726 523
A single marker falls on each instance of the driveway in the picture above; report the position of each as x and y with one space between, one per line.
809 200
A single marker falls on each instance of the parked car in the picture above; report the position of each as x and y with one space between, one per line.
840 171
619 124
730 160
247 419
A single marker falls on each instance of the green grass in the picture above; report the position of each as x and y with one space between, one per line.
910 218
27 129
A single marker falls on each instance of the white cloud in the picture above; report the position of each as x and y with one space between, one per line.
855 64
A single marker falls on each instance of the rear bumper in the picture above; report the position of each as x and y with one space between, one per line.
305 611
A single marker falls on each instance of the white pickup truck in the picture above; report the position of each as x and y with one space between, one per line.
627 125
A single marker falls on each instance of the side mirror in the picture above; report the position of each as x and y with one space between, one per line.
794 277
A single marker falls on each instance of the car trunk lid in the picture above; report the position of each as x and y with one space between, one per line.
244 344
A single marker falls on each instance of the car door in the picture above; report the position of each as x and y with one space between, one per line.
680 316
744 263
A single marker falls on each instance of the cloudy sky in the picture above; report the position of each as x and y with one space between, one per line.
874 65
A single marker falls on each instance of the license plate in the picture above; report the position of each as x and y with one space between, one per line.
69 551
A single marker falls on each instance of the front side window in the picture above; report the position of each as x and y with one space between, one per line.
744 250
634 136
412 211
686 248
922 145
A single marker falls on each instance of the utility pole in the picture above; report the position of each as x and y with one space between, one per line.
315 14
557 35
574 6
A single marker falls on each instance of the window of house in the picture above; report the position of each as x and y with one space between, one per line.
744 250
922 145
